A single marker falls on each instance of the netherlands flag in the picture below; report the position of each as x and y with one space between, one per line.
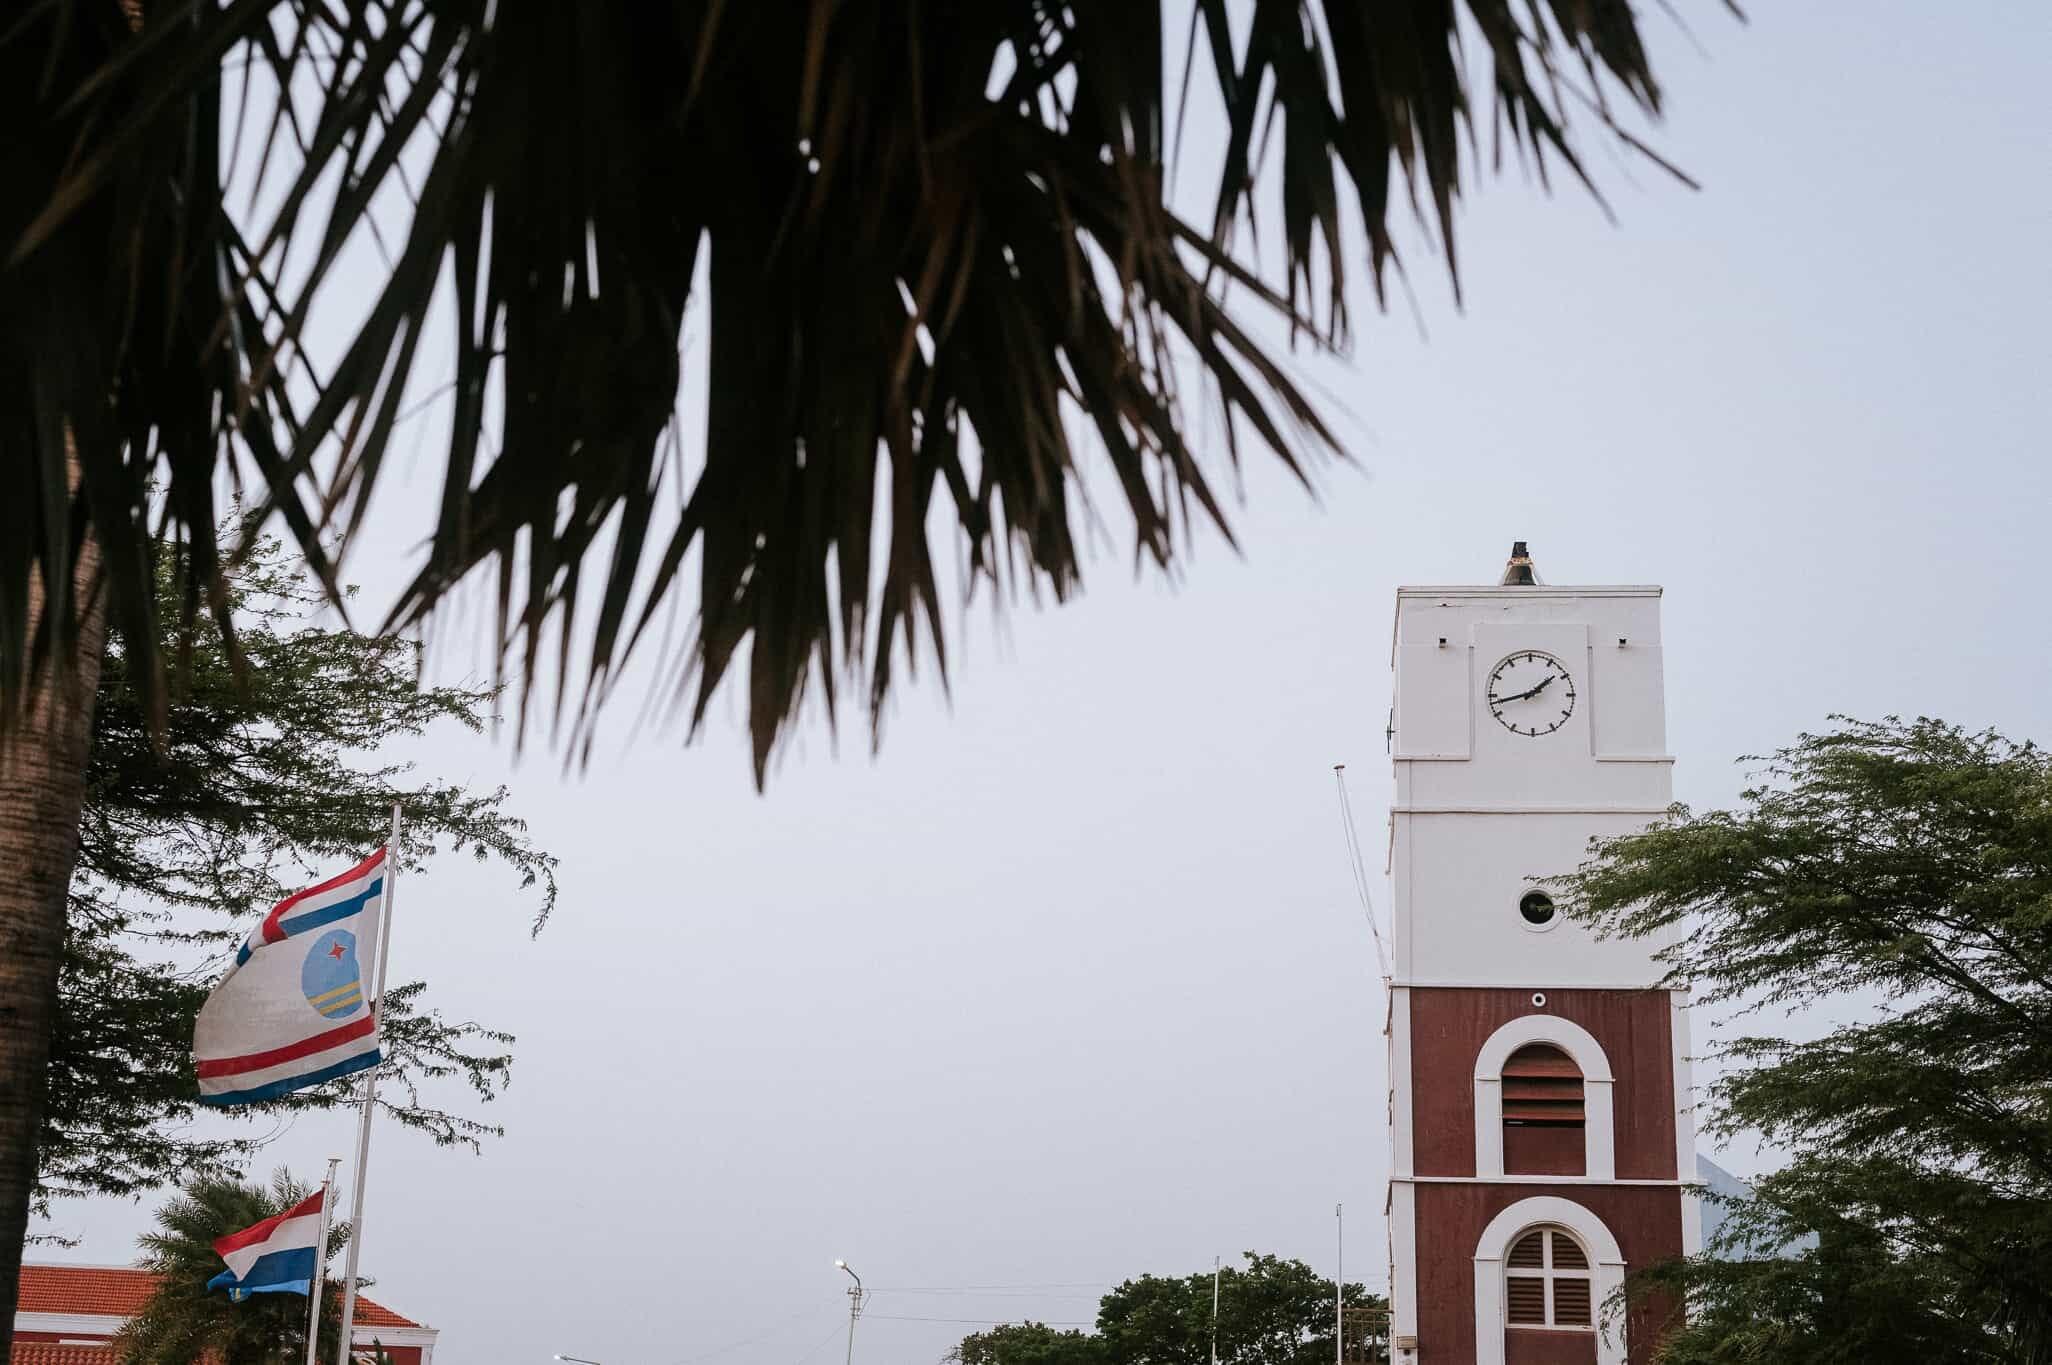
275 1256
294 1009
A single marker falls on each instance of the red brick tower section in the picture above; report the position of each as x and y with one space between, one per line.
1541 1140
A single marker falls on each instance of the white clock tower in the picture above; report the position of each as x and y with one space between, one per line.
1539 1078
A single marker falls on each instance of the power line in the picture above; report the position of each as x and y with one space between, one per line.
994 1293
986 1288
1008 1290
773 1330
835 1332
984 1322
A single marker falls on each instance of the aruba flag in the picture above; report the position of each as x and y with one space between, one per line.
275 1256
294 1009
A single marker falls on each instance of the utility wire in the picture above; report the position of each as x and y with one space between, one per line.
992 1293
831 1335
1008 1290
780 1325
986 1288
981 1322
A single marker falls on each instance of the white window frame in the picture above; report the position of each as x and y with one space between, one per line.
1546 1273
1599 1123
1606 1273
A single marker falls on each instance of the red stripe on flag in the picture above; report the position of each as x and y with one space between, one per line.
258 1232
270 933
320 1042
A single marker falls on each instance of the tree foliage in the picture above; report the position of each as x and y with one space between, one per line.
266 777
1030 1343
941 270
1272 1311
184 1321
1895 876
1858 1298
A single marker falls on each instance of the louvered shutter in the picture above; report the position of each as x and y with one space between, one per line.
1542 1084
1548 1283
1570 1301
1527 1300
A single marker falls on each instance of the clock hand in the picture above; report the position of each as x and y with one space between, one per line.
1533 691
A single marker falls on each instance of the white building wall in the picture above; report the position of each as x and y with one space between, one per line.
1461 879
1480 811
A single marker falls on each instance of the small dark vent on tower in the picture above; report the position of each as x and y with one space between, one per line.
1519 573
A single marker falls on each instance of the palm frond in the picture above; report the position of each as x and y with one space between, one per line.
940 265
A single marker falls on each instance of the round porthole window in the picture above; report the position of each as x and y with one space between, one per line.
1537 908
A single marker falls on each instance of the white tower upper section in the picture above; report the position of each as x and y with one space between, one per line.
1526 719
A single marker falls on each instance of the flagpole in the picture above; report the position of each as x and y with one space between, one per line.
1214 1310
1339 1285
370 1096
313 1312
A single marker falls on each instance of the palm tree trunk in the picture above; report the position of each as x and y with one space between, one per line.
43 750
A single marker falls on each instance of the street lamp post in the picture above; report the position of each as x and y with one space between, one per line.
576 1360
854 1307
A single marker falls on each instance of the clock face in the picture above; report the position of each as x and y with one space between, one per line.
1531 693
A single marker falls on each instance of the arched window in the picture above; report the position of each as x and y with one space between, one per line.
1564 1082
1546 1281
1543 1114
1546 1269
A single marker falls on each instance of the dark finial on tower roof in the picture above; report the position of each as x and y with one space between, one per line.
1519 573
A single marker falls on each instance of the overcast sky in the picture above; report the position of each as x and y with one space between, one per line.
1068 984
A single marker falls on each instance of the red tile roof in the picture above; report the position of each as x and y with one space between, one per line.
120 1291
370 1314
84 1289
58 1353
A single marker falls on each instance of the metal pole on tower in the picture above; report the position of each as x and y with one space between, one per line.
370 1097
1357 865
313 1312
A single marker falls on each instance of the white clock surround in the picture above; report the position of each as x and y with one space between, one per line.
1479 811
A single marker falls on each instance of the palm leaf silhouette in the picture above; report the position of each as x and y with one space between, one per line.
933 243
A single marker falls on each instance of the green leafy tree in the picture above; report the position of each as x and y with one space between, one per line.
1272 1311
184 1321
1030 1343
264 778
1896 875
1859 1296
